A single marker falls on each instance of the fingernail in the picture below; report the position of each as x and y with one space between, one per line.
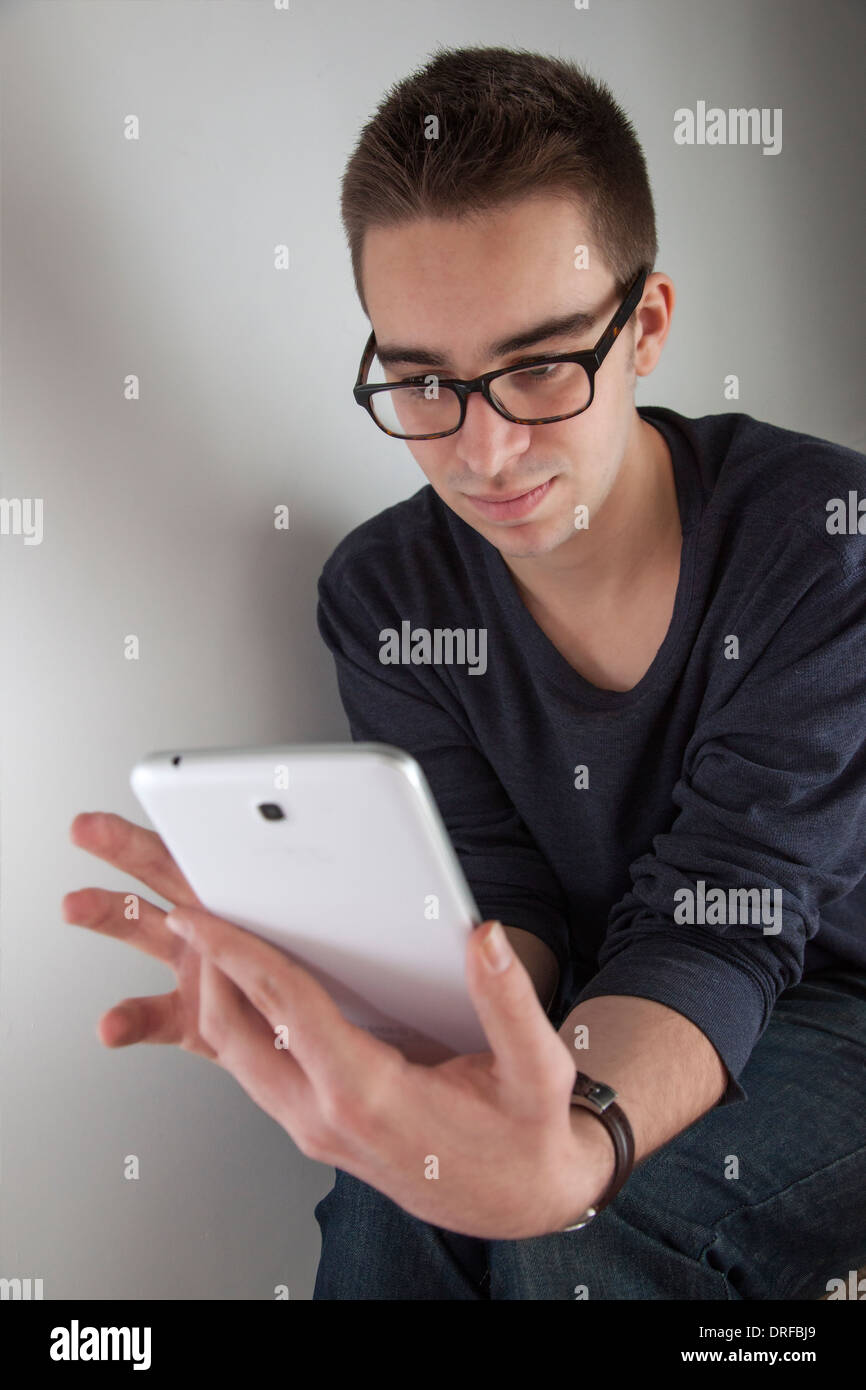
179 925
496 948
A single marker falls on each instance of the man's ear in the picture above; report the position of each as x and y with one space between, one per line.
652 321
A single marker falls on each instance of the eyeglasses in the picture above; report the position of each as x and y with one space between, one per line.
538 391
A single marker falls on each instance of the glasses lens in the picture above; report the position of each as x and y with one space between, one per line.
543 391
425 408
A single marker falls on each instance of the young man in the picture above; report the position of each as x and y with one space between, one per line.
646 734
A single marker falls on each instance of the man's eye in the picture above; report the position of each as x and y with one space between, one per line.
545 371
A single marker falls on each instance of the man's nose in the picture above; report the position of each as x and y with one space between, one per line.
487 440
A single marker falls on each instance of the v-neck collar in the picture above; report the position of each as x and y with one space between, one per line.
544 657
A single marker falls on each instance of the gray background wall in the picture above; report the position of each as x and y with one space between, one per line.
156 257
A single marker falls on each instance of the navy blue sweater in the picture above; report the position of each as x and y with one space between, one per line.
617 825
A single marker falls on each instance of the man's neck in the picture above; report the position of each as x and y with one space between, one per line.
636 528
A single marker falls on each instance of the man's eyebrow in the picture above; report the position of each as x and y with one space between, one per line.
562 326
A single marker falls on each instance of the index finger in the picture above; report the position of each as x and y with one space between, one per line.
134 849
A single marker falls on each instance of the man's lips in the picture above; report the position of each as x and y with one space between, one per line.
500 497
517 505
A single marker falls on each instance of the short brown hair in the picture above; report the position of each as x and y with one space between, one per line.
511 123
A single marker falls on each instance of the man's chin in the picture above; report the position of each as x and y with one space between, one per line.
524 542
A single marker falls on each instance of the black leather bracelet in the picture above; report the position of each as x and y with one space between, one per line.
601 1101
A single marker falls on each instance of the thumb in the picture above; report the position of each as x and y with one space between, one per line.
528 1049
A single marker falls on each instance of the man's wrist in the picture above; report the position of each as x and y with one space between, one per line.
595 1160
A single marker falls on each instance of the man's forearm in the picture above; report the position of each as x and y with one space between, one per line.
539 960
665 1071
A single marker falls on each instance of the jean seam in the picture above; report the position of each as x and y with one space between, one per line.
782 1191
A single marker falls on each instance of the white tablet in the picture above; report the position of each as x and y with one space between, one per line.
337 854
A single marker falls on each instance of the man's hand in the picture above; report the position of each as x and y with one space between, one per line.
486 1144
158 1018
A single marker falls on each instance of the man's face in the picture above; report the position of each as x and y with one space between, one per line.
453 288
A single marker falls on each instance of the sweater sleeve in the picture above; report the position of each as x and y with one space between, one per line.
772 797
404 706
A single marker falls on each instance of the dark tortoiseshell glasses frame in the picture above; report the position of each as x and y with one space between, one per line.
590 359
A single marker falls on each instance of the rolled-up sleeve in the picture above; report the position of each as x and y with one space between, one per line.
407 707
772 797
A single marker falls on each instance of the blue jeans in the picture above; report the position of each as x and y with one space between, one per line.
679 1228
